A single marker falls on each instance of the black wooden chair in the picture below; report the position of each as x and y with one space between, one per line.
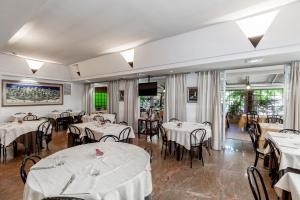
109 138
257 128
274 156
62 198
197 137
274 119
251 116
75 133
124 135
98 118
292 131
78 118
90 136
149 149
207 123
174 120
254 139
34 159
64 120
123 123
43 132
257 184
107 121
166 144
30 118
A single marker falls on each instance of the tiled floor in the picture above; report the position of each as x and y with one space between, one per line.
222 177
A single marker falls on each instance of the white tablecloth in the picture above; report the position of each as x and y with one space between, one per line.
125 173
289 147
16 117
289 182
11 131
89 118
56 115
101 130
182 135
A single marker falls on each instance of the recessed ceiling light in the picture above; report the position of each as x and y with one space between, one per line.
171 71
253 60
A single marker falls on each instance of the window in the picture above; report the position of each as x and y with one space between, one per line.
268 101
100 98
235 101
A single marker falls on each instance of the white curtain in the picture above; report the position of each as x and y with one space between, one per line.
88 98
209 107
113 97
292 89
131 103
175 97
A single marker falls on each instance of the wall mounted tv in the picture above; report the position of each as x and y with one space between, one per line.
148 89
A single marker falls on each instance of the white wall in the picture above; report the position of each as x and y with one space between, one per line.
13 68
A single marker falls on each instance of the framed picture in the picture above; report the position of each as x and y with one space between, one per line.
192 95
121 95
16 93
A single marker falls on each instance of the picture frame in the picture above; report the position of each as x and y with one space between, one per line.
192 94
18 93
121 95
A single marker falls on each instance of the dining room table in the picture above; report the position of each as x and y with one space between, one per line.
56 114
122 172
101 129
106 116
18 117
289 146
179 132
268 127
23 132
289 182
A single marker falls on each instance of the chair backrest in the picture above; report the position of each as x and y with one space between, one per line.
62 198
90 135
81 113
163 133
64 114
257 184
107 121
109 138
274 119
98 118
292 131
174 119
34 159
257 128
123 123
74 130
44 128
254 138
124 135
197 137
207 123
30 118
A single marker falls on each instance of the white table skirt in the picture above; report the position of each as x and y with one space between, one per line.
101 130
11 131
182 135
90 118
289 182
289 147
125 173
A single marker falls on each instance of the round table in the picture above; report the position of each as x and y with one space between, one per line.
181 135
125 173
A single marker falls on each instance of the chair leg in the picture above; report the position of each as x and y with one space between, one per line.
191 157
201 155
165 152
162 148
256 159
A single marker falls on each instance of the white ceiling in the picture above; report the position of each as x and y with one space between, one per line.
68 31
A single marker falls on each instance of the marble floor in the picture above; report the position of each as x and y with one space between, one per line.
222 177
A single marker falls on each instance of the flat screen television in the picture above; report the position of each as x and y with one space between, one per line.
148 89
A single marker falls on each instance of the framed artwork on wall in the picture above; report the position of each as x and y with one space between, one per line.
17 93
121 96
192 94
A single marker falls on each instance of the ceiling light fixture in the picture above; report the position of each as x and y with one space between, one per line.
34 65
253 60
248 86
128 56
77 69
255 27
